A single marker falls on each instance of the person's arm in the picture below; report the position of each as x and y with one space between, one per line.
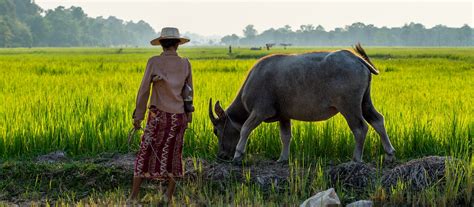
189 79
189 82
143 94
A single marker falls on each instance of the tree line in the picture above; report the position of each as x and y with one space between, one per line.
412 34
24 24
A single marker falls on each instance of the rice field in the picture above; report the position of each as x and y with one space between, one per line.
81 100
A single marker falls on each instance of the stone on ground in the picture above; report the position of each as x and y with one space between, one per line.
323 199
361 203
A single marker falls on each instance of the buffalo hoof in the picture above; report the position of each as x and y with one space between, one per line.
237 160
282 161
357 160
389 158
222 160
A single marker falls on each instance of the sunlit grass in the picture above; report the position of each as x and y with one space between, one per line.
80 100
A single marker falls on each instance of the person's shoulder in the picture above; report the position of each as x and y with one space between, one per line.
185 59
154 58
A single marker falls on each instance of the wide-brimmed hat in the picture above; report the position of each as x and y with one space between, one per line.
169 33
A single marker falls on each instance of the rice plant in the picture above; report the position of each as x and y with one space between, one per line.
80 100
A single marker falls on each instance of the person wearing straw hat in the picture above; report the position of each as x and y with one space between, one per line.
170 79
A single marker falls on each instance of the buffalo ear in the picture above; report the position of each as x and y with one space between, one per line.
219 111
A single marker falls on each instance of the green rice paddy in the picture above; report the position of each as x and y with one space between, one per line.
81 100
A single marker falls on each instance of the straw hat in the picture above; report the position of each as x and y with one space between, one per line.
169 33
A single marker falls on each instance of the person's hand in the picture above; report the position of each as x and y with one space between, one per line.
137 124
189 117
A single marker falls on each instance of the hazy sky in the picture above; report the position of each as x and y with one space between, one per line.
227 17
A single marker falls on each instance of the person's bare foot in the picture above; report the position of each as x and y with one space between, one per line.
131 201
163 202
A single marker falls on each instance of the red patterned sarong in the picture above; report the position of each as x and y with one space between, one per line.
162 145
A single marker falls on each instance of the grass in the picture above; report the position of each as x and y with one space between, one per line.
85 184
80 100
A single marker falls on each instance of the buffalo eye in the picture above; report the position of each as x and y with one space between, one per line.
215 131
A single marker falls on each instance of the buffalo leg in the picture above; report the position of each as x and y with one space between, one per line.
250 124
285 136
376 120
359 128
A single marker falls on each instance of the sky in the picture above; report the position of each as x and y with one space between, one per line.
224 17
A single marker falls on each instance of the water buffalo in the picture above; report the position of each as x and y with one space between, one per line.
308 87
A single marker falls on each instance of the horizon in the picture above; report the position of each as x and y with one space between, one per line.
205 22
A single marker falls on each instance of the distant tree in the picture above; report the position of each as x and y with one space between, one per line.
7 21
25 9
383 36
286 29
284 34
266 36
5 33
30 16
437 33
320 28
25 24
15 33
39 28
77 13
412 34
319 36
65 30
141 32
7 9
331 36
356 31
250 31
306 28
465 35
230 39
21 35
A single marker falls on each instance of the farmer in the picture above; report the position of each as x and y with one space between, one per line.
169 77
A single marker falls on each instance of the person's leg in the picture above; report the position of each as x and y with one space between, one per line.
161 186
137 181
171 188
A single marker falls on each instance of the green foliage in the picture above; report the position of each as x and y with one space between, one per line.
412 34
23 25
249 31
5 31
21 35
7 8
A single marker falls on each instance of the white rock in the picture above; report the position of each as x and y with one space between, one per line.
322 199
361 203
